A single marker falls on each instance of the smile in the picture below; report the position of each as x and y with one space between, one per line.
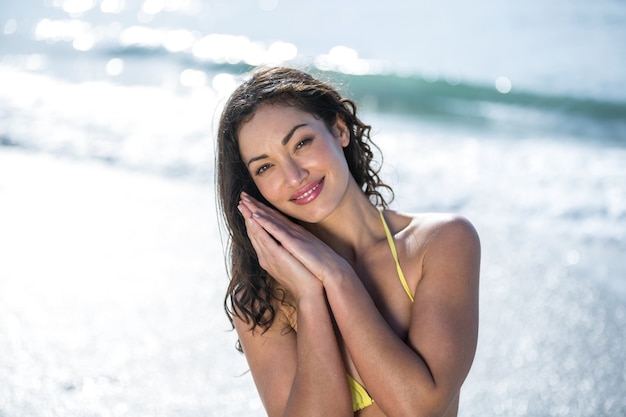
309 194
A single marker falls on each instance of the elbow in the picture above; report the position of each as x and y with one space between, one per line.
431 404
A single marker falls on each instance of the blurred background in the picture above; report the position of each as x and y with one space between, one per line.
112 270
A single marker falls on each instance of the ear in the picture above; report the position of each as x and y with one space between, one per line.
341 132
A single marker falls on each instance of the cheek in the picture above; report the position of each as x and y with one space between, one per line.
268 189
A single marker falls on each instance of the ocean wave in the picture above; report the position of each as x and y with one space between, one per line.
500 105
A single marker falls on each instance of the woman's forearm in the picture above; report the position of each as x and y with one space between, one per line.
320 386
394 374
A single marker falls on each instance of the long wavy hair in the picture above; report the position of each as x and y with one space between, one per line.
252 293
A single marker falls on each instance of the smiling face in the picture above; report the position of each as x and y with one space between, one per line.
296 162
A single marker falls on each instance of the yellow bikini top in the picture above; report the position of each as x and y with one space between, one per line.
360 396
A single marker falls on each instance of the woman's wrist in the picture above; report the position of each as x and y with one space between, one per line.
311 293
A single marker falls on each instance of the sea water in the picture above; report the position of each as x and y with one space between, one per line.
511 113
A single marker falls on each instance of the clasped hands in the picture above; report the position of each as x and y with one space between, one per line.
292 255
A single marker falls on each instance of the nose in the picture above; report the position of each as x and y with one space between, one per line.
294 172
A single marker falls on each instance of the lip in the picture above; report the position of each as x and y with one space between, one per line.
308 193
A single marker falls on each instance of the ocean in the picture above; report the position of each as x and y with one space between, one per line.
111 260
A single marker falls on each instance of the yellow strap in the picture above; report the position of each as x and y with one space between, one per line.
395 256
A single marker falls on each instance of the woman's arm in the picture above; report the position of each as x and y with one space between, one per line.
421 376
424 376
296 373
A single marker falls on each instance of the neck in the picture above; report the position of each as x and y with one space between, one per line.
351 228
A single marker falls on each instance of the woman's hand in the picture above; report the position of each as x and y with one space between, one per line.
313 254
273 256
304 369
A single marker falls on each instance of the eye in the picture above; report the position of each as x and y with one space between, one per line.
260 170
304 142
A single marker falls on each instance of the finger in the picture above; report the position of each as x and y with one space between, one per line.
289 234
253 229
278 226
305 247
255 205
244 210
272 257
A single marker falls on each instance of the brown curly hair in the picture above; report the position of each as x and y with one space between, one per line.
252 293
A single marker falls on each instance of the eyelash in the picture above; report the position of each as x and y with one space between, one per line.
303 142
262 169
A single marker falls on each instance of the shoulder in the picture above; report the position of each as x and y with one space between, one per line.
446 226
440 242
419 230
430 242
450 249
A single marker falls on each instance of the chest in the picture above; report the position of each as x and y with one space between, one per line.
384 286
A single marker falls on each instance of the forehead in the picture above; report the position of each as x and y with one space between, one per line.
275 117
271 122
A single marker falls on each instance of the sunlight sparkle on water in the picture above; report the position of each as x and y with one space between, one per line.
503 85
281 52
142 36
152 7
178 40
112 6
222 48
75 7
61 30
224 84
10 27
115 66
192 78
344 59
83 42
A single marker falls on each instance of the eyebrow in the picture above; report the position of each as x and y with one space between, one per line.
283 142
291 132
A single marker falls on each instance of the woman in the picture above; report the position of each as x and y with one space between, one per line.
342 306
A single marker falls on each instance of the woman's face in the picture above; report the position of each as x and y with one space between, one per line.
296 162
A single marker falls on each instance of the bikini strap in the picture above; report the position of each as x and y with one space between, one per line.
394 252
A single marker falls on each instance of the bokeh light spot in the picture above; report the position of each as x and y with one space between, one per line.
192 78
344 59
115 66
83 42
152 7
571 257
77 7
10 27
112 6
178 40
142 36
503 85
224 84
281 52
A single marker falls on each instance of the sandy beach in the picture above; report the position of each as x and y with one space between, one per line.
112 271
110 295
111 286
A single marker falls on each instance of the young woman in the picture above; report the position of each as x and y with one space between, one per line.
342 306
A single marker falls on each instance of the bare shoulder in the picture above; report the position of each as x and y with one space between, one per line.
447 226
419 229
450 250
